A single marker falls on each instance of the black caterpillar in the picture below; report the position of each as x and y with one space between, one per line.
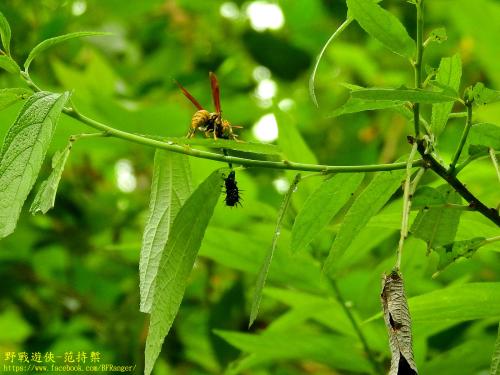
233 196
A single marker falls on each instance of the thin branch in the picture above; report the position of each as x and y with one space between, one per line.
407 195
418 64
355 325
465 133
457 115
494 161
475 203
337 32
284 164
471 158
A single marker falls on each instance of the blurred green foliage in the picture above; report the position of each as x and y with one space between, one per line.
70 279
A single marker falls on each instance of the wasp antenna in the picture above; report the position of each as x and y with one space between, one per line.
188 95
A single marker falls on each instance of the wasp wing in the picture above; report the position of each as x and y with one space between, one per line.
189 96
215 91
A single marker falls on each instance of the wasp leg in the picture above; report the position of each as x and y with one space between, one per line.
191 133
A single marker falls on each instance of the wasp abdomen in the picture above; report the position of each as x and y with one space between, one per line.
200 120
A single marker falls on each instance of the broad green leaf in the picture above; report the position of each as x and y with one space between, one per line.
223 246
42 46
292 345
46 195
469 356
495 359
438 35
291 142
479 94
367 204
383 26
176 262
13 95
410 95
264 270
260 148
449 253
8 64
360 105
482 137
170 187
457 303
449 73
23 151
324 310
294 148
438 226
426 197
14 329
321 206
5 33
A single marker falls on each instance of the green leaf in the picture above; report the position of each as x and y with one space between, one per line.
449 73
46 44
360 105
14 329
438 35
495 359
46 195
482 137
426 196
457 303
292 345
177 260
367 204
470 356
224 247
449 253
409 95
438 226
23 151
170 187
5 33
481 95
259 148
321 206
290 140
262 276
383 26
321 309
13 95
8 64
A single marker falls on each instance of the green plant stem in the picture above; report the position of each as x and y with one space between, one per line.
376 364
471 158
284 164
494 161
337 32
461 144
427 160
418 63
76 137
407 195
474 203
490 240
457 115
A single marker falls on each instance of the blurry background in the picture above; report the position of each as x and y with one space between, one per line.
69 280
